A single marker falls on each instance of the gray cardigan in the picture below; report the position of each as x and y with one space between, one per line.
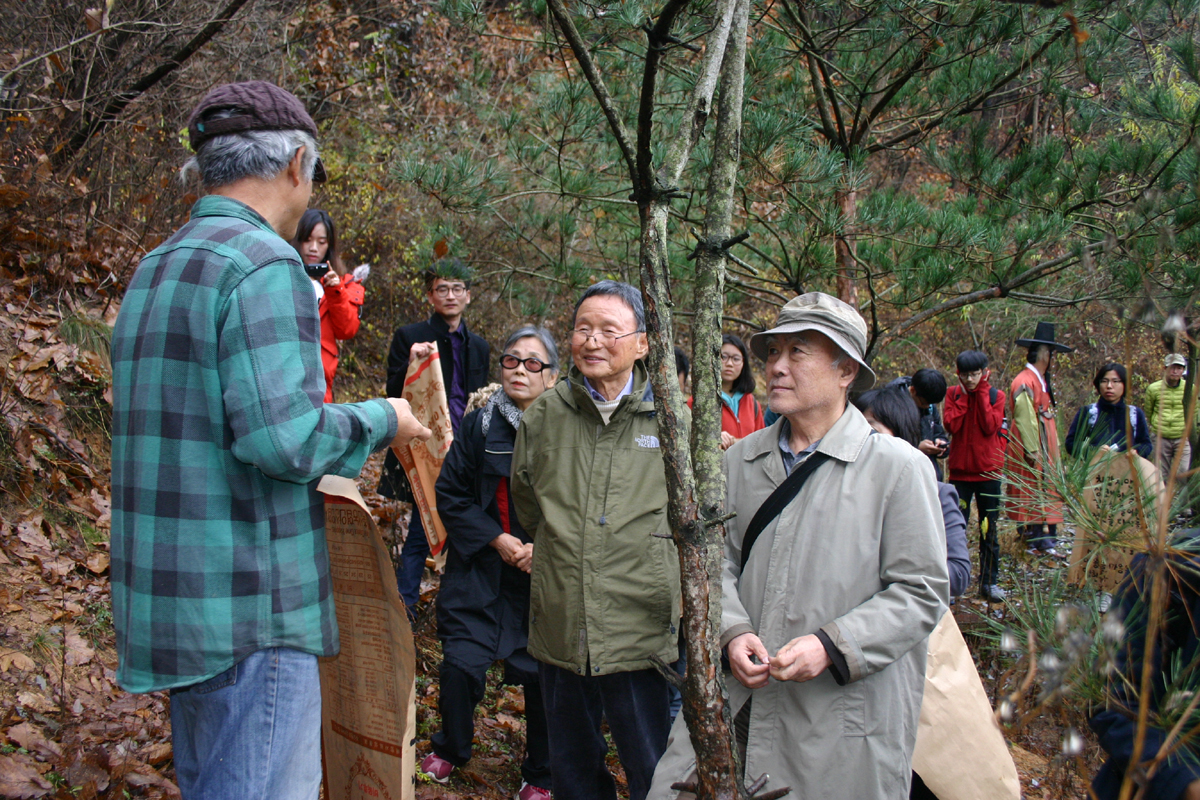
958 561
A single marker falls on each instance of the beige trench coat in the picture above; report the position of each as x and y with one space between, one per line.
863 559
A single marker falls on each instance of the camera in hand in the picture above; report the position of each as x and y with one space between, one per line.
316 271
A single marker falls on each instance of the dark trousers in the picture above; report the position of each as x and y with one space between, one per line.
412 563
987 503
635 704
459 692
1040 535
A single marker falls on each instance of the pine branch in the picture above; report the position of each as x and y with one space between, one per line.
599 89
974 102
1001 289
656 38
700 104
891 91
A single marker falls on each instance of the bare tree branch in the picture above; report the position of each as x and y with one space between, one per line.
119 101
584 56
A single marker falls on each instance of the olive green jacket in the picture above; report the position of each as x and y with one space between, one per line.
604 594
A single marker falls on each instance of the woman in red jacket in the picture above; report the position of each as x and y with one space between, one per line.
740 412
339 296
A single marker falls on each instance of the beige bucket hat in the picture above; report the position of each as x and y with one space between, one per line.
817 311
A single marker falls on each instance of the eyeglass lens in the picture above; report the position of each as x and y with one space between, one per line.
531 364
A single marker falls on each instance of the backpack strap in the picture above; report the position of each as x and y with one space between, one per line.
778 500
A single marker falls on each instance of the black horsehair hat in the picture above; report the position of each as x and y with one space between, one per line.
1045 335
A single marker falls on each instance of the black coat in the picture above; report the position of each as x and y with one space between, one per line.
1115 723
1103 423
394 482
483 603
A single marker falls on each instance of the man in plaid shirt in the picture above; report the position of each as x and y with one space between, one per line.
220 573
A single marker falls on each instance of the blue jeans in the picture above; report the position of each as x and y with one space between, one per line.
412 563
253 732
635 705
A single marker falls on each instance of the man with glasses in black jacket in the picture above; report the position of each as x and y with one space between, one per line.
464 358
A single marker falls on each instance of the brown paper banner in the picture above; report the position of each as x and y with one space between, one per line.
425 391
368 711
961 753
1111 495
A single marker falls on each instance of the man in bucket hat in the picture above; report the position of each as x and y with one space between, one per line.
1168 417
834 576
220 573
1032 450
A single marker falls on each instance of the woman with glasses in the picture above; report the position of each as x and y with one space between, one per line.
740 412
1103 423
340 295
483 604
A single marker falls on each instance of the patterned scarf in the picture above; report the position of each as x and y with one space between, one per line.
499 401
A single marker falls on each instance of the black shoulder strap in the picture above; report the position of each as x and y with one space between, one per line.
773 506
993 393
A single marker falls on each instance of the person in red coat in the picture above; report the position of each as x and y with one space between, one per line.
1033 444
974 416
741 414
339 296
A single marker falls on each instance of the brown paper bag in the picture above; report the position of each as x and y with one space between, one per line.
961 753
425 391
1112 487
368 710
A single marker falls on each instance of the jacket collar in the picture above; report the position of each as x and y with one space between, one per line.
576 395
442 329
844 441
216 205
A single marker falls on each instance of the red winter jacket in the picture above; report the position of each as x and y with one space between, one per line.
339 321
748 420
974 420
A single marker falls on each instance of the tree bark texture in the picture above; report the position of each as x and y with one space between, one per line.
846 249
694 510
701 550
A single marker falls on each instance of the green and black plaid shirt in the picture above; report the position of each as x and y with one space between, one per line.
219 434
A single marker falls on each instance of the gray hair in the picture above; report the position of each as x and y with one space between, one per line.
630 294
223 160
542 335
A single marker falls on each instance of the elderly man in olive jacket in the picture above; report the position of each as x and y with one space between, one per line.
826 614
589 487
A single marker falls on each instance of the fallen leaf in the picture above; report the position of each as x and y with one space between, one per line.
98 563
152 778
90 767
78 650
35 701
156 753
59 565
31 738
20 779
14 658
29 531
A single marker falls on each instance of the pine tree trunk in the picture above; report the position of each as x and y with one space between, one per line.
694 501
845 248
701 547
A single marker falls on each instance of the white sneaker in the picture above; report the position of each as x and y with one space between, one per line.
994 593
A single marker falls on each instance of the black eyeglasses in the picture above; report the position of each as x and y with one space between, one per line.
509 361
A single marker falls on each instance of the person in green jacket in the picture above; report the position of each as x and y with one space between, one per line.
1164 408
589 488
